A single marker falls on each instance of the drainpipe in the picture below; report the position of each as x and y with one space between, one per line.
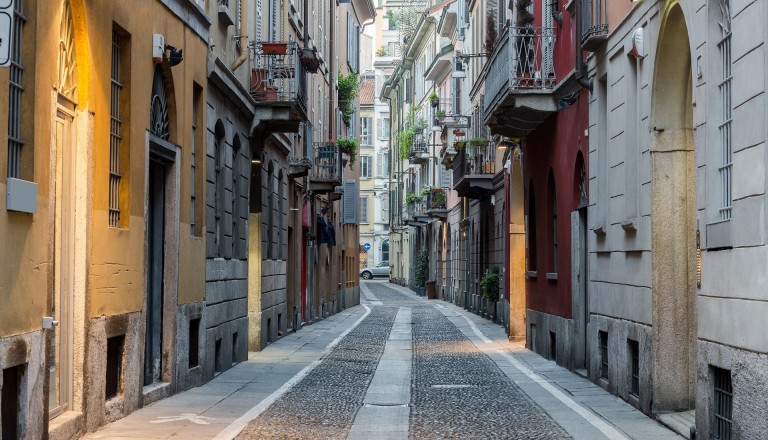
243 36
581 68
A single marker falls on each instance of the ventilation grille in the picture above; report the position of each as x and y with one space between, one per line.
114 366
634 353
194 342
722 405
603 336
10 402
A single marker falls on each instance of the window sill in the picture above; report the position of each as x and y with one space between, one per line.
719 235
531 274
552 276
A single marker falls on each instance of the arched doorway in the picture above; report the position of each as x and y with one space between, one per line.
672 218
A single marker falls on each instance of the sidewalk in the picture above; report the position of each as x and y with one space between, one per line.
206 411
220 408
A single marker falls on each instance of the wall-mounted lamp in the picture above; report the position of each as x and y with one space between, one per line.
175 56
458 63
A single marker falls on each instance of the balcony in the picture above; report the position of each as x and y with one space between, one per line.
594 24
325 172
520 81
415 214
278 82
473 169
419 152
436 203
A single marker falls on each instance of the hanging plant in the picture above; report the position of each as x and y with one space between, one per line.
349 147
411 198
348 88
434 99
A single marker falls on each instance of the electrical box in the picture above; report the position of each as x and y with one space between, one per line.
21 196
158 47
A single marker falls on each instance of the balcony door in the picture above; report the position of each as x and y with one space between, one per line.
548 40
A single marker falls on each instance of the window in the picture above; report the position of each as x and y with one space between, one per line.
364 209
385 251
11 403
366 163
553 224
382 164
531 226
236 177
603 347
15 72
194 221
194 343
726 153
392 49
722 404
553 346
117 136
634 358
385 208
382 128
220 187
114 372
365 131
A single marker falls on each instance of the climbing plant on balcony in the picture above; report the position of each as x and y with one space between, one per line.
348 88
405 139
349 146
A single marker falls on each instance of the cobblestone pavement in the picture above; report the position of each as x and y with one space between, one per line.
458 392
323 405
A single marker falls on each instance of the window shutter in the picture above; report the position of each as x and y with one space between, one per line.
350 202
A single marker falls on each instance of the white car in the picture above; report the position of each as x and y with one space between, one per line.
380 270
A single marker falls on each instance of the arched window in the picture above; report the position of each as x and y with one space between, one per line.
552 206
385 251
269 220
218 202
532 256
280 215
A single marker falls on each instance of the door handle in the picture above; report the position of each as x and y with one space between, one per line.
49 323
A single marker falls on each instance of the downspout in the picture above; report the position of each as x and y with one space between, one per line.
243 36
580 66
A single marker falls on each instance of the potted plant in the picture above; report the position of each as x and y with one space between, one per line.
440 113
489 283
349 147
478 142
411 198
312 64
274 48
421 271
438 198
459 145
382 51
348 88
434 99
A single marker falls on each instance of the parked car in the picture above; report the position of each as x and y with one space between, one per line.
380 270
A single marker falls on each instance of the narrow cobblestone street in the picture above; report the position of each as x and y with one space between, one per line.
397 366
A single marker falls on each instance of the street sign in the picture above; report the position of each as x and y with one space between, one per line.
6 27
367 247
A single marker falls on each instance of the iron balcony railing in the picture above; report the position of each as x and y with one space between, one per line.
416 209
523 60
594 24
436 199
326 162
419 146
278 76
473 160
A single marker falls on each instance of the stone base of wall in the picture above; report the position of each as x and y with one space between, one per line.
540 326
186 377
232 340
749 378
27 349
100 411
619 359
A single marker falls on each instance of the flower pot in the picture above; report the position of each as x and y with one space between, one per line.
274 48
